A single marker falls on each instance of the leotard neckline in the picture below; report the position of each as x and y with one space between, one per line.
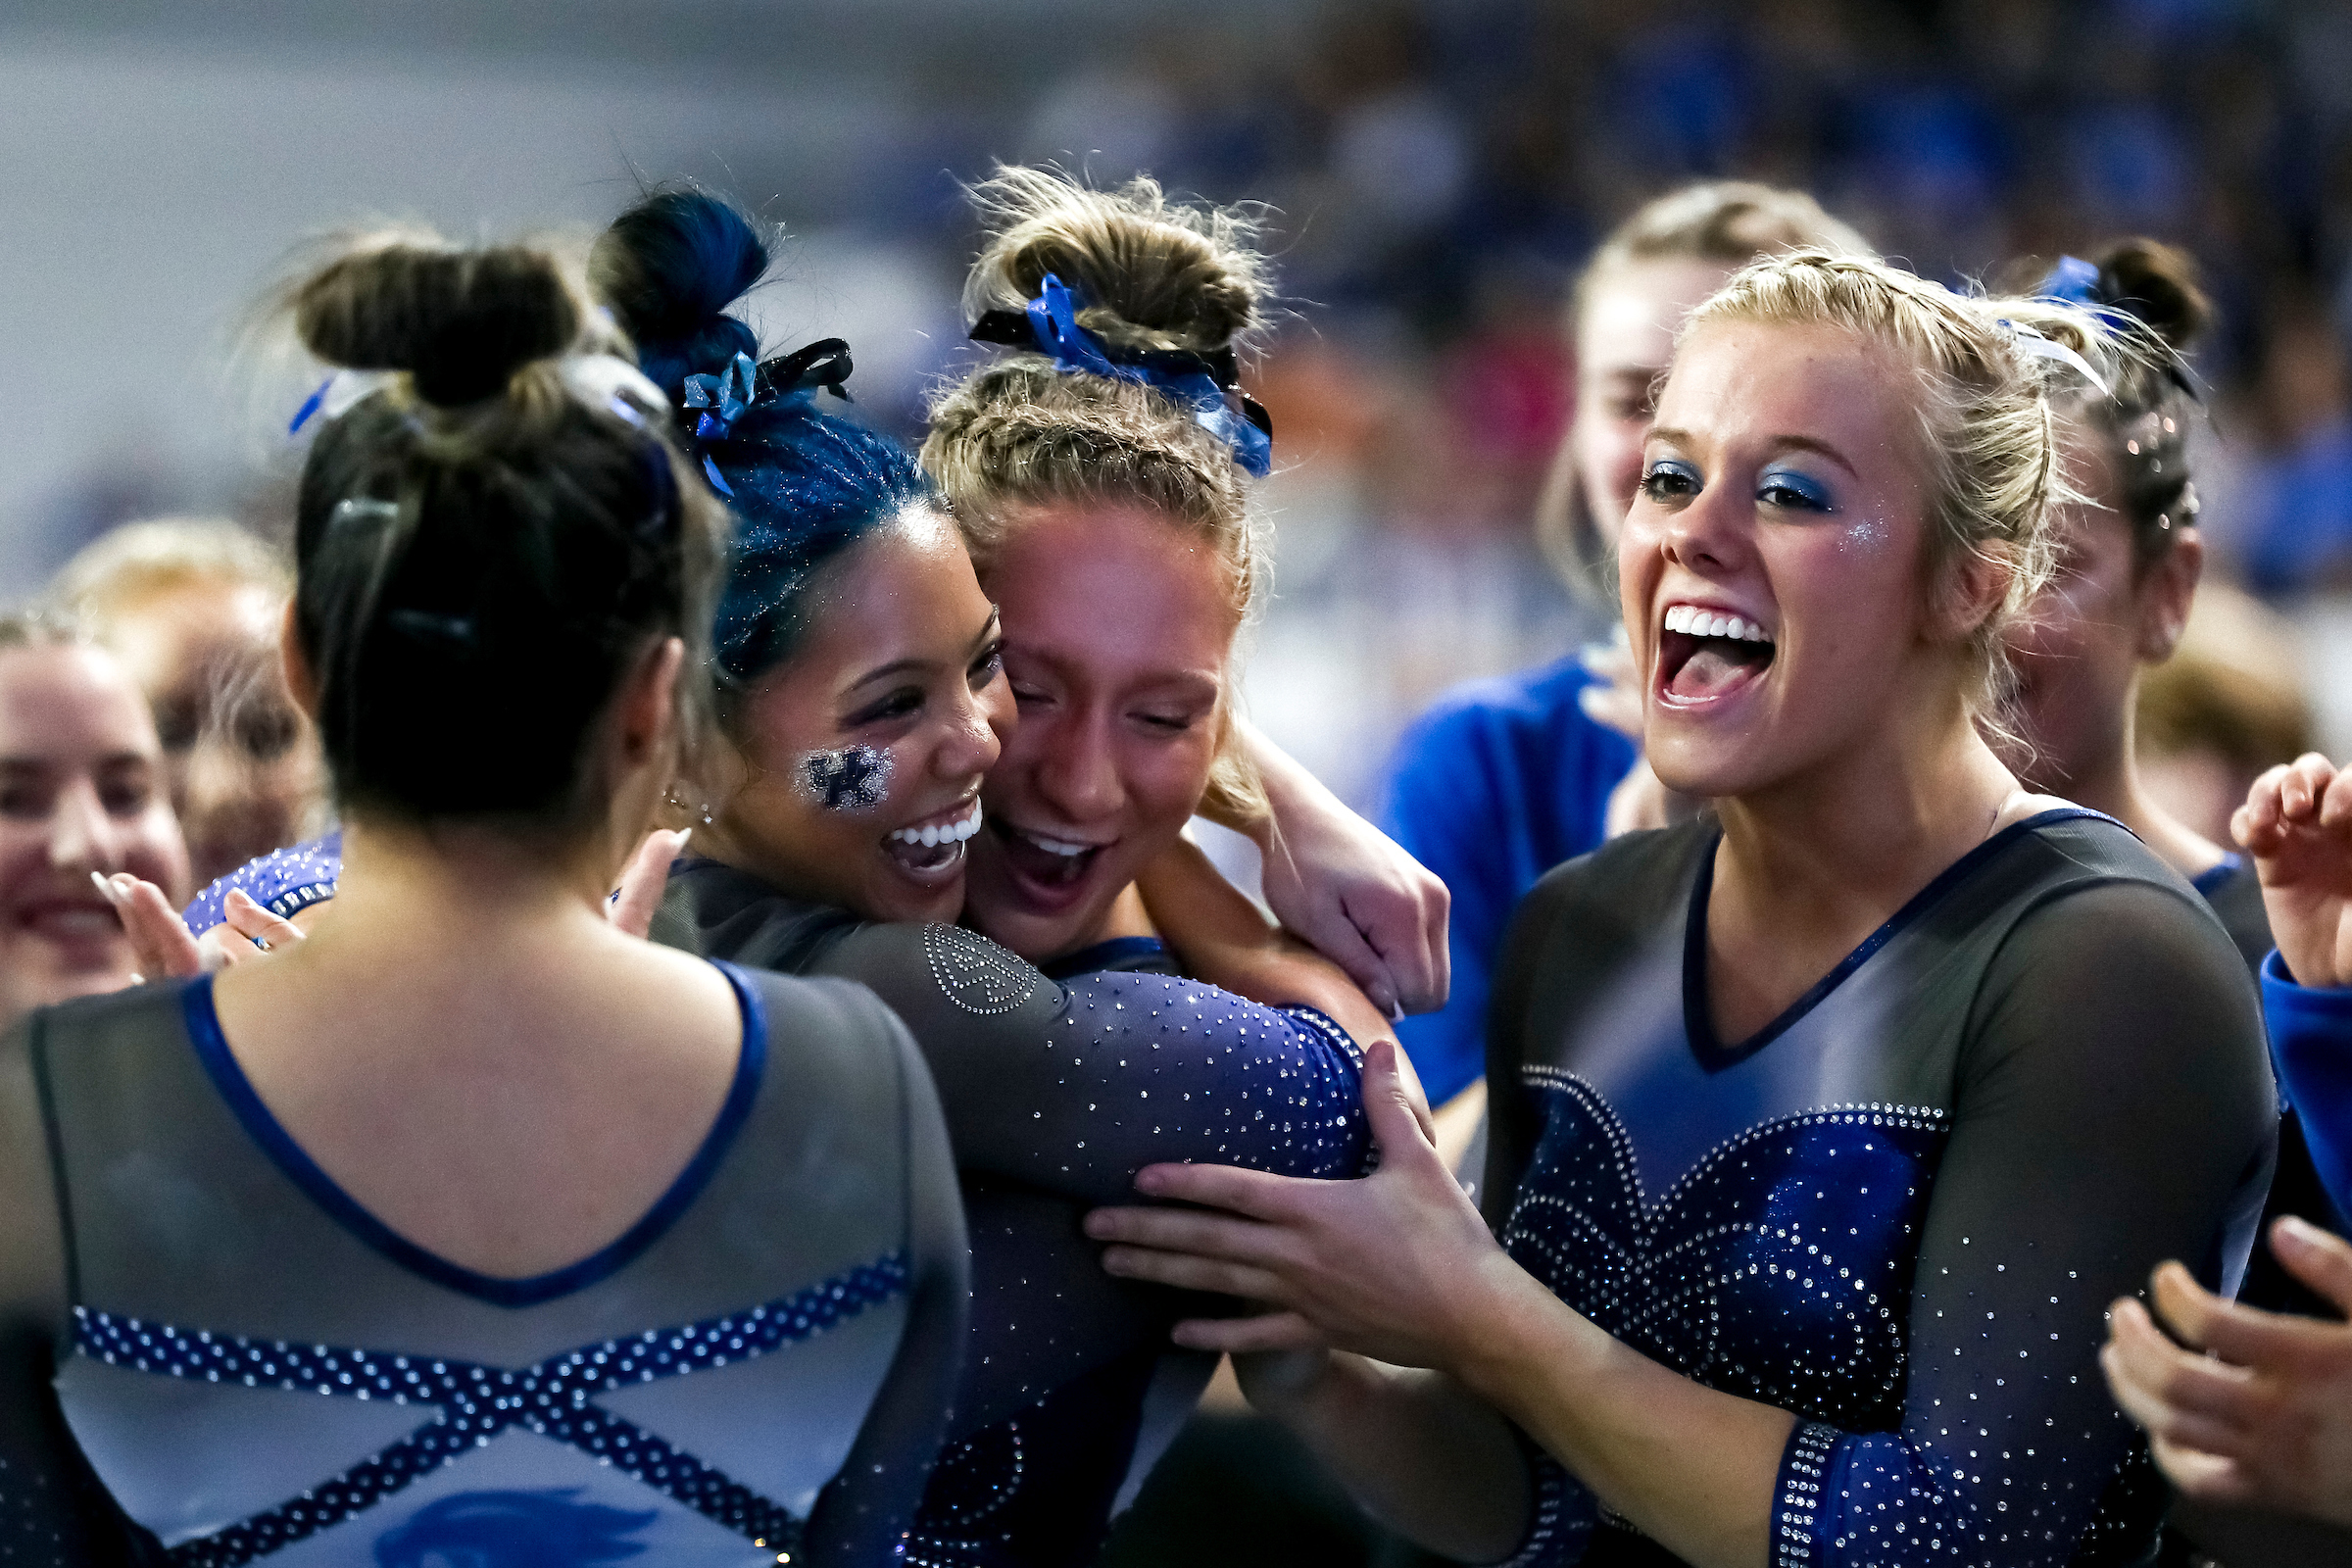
264 1127
1698 1022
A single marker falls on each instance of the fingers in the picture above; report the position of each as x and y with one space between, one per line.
160 942
1399 1116
256 924
2175 1395
1262 1334
2299 792
1186 1272
2239 1334
1189 1230
1252 1193
2206 1477
2311 1255
2256 824
644 882
1397 926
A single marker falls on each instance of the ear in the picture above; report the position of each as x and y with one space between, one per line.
301 684
2167 593
646 714
1972 590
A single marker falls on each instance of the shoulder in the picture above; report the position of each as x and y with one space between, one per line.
721 913
833 1042
1627 885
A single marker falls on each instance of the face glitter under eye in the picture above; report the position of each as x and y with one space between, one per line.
855 778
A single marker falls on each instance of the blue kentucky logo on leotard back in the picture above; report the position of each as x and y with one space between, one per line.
550 1529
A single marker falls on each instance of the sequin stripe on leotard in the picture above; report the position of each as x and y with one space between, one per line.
475 1402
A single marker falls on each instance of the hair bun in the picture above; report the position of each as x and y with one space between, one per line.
459 323
2157 283
1148 273
668 268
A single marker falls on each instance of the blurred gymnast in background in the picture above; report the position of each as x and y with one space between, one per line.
1826 1127
1503 779
477 1176
83 794
193 606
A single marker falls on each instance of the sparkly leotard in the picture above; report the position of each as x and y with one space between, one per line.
1898 1211
1056 1094
254 1368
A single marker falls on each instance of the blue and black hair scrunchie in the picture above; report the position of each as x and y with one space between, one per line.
1208 384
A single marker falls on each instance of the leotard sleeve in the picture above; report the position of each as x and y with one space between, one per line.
2310 1038
2113 1109
862 1517
53 1512
1072 1086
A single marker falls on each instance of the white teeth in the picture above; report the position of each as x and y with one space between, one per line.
1056 846
934 835
1697 622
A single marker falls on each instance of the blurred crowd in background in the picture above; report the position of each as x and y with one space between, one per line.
1434 174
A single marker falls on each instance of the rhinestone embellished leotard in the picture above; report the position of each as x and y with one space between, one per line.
1056 1094
1898 1211
255 1369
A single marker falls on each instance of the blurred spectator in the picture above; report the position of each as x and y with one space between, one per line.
81 791
193 608
2225 707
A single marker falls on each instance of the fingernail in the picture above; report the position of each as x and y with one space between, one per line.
2299 1231
1098 1227
106 889
1148 1180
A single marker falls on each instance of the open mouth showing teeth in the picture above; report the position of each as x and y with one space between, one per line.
1704 655
1044 859
930 848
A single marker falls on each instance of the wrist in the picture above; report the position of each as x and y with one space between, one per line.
1511 1334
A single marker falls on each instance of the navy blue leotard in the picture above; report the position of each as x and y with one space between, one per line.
1057 1092
1900 1210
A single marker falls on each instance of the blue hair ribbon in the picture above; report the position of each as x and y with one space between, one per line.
723 397
310 407
1051 328
2075 281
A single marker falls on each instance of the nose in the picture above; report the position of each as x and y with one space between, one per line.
971 747
1706 534
1077 773
81 835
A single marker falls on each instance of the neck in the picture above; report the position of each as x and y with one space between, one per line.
1857 836
461 888
2110 784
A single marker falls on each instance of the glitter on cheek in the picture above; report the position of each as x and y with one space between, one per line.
855 778
1863 534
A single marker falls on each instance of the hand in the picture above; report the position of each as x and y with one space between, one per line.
160 941
1614 699
1348 890
631 910
1391 1265
1637 803
2263 1417
2297 824
1355 896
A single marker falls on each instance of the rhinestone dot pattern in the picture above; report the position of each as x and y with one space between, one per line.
283 882
473 1403
977 975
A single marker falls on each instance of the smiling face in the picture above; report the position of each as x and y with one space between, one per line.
1118 625
242 762
82 790
1773 566
1624 339
862 752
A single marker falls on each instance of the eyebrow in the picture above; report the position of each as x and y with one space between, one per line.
902 666
1779 443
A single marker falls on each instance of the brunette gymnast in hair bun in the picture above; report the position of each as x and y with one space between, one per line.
1824 1129
863 707
398 1247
